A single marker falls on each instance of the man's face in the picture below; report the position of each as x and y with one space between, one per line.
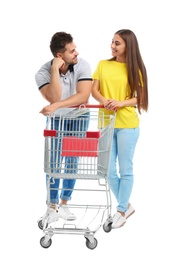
70 55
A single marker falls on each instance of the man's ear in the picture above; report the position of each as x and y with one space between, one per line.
58 55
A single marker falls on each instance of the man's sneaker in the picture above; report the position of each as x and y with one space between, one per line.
118 220
64 212
129 211
50 216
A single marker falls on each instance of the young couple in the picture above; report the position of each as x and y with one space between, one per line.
117 83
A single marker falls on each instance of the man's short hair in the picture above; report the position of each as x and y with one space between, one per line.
59 41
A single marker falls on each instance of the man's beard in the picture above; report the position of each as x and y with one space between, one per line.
75 62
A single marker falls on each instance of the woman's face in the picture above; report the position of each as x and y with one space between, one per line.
118 48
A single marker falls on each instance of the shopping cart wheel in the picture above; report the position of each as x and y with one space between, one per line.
107 227
45 244
91 245
40 225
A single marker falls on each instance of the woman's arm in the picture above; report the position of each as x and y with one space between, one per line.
96 93
115 104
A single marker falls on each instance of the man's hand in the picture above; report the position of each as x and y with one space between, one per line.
47 110
58 62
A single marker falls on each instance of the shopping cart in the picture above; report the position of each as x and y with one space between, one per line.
88 145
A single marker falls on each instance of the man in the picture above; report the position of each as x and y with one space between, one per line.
64 82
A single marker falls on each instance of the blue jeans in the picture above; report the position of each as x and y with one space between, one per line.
121 165
69 126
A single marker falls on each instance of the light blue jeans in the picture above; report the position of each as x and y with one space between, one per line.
120 176
77 125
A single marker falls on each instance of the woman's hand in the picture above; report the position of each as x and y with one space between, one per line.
113 104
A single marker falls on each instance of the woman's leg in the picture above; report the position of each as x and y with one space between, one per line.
126 143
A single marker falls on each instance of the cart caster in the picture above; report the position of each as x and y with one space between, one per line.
45 244
91 245
107 227
40 225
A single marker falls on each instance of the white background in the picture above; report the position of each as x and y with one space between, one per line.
26 30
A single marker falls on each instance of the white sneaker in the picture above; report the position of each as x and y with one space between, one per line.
129 211
64 212
50 216
118 220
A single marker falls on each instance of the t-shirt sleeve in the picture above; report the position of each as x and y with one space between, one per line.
42 77
84 71
96 74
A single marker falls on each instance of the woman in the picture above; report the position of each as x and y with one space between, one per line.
120 84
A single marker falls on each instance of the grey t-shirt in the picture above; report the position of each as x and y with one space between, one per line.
78 72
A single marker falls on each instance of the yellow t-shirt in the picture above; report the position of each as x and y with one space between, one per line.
113 78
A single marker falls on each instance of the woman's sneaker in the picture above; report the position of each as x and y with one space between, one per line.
129 211
118 220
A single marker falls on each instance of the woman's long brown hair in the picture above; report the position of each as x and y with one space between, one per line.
137 75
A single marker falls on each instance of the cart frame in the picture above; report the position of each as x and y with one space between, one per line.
92 149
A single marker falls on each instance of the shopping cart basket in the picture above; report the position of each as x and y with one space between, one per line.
88 146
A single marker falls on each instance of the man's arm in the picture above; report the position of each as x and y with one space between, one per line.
52 92
48 80
83 89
